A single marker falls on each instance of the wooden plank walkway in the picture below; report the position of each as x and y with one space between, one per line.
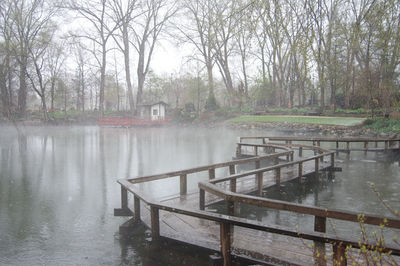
180 217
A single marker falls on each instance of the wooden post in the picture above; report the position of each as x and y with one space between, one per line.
319 250
339 255
376 144
233 181
337 145
332 160
202 196
255 150
366 145
320 224
155 222
291 156
225 238
300 171
386 145
124 198
260 182
257 166
232 185
232 169
136 206
316 168
238 150
278 177
300 151
183 184
264 143
211 173
348 146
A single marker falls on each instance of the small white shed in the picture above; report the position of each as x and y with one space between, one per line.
153 111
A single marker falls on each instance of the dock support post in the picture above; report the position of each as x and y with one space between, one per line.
316 168
260 183
332 160
339 255
232 185
155 222
300 171
136 206
124 198
319 250
225 238
211 173
348 146
300 151
257 166
183 184
233 181
278 177
366 146
238 150
255 150
202 196
124 210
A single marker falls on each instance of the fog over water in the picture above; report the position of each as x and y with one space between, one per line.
58 188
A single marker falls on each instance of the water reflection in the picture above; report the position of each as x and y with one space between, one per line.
58 189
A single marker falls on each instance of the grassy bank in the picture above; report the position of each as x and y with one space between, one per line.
321 120
380 124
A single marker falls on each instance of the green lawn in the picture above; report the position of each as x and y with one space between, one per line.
322 120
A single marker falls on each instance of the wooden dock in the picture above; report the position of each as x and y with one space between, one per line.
185 217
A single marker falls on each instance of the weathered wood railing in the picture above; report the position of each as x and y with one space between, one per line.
380 144
320 219
259 172
285 152
319 235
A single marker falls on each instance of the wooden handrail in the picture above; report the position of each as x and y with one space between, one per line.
326 139
211 166
318 235
298 208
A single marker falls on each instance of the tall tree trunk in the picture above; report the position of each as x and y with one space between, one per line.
128 69
22 92
102 79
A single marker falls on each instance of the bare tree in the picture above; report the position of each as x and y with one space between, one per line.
6 71
30 19
56 60
199 32
98 13
40 56
124 12
155 14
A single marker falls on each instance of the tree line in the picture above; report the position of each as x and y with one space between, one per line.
97 54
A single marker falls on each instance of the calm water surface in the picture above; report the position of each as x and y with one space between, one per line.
58 190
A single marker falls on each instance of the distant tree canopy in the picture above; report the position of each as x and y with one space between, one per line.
336 53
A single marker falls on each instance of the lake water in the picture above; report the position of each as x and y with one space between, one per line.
58 190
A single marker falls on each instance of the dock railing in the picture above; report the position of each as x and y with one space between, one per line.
226 222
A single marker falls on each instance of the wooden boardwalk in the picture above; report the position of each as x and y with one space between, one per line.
186 218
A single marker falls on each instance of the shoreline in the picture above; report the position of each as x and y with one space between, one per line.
315 129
